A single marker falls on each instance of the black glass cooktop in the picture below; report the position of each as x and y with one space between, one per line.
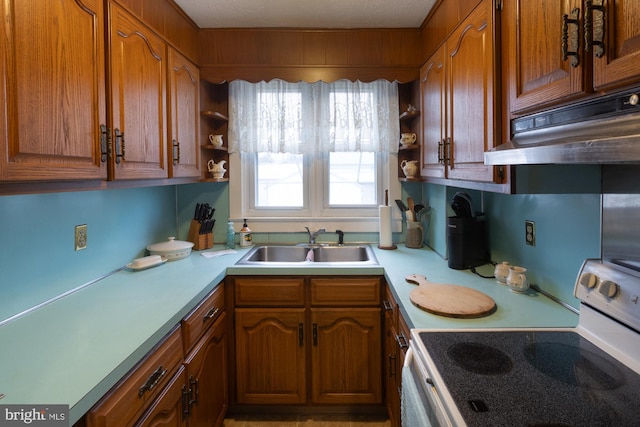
534 378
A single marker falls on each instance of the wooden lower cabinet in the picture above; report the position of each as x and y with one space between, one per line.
169 410
207 377
182 382
396 344
346 355
321 345
270 355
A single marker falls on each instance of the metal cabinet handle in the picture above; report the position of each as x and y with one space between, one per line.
210 314
402 341
185 402
315 334
152 381
119 144
176 152
594 27
105 143
446 152
194 390
300 334
440 152
571 41
387 305
392 365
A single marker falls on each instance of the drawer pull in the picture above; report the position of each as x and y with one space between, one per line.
387 305
402 341
211 314
152 381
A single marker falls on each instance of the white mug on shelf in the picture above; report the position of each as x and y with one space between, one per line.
216 140
407 138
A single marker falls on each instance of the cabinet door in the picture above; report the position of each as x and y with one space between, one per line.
53 90
170 409
346 355
184 124
392 375
532 49
270 355
207 376
138 98
432 89
471 101
618 26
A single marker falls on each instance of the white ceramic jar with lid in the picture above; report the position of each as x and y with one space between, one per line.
172 249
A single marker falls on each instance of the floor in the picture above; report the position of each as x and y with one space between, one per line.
306 421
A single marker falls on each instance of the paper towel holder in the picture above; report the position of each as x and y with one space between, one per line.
388 237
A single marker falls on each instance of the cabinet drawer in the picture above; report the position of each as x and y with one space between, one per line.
128 399
204 315
345 291
269 292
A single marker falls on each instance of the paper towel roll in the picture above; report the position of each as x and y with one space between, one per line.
386 240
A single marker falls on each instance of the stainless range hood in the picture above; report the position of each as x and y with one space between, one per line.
605 130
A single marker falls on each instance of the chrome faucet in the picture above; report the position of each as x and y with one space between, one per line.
312 236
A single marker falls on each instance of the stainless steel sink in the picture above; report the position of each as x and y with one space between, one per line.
311 254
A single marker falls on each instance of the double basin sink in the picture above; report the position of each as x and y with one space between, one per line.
306 253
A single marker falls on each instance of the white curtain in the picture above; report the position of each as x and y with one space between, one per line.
281 117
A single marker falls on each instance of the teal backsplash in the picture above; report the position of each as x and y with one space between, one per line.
38 261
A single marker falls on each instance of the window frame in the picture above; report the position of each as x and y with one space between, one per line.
241 180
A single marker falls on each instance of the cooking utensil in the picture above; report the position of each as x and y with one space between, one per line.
449 300
401 205
410 212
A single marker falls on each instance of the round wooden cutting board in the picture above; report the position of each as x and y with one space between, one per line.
449 300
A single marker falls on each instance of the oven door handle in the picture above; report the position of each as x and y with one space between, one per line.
408 357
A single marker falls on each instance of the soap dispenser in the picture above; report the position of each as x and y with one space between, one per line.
245 235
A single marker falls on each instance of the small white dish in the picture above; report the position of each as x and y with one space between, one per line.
146 262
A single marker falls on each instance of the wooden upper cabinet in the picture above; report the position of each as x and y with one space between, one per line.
617 26
138 64
532 51
471 101
53 76
184 118
543 70
433 92
459 105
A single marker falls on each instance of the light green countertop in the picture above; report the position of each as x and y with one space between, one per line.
75 349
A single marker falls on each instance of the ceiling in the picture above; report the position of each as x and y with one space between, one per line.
320 14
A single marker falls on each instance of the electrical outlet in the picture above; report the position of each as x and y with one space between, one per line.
81 237
530 233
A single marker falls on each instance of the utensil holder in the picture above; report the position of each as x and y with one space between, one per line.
200 241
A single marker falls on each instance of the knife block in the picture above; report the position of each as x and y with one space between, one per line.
200 241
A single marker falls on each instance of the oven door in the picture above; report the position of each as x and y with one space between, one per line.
421 405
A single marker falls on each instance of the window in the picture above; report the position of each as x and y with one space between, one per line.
312 154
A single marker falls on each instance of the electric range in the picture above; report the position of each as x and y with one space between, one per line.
583 376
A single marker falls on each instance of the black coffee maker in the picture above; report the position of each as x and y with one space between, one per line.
466 235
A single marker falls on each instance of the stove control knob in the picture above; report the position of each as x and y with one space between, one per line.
589 280
609 289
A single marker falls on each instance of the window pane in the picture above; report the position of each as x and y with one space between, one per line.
279 180
352 179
